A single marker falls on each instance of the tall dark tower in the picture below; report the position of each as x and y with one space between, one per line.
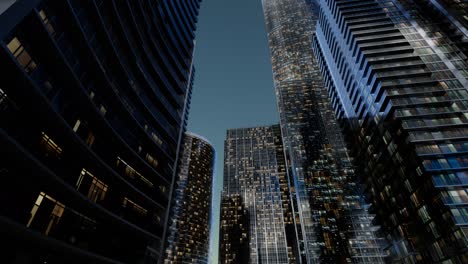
93 105
256 217
189 227
396 72
326 196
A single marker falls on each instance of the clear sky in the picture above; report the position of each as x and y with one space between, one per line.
233 81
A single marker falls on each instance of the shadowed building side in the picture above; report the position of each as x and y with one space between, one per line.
94 98
234 234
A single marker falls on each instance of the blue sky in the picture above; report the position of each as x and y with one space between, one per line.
233 82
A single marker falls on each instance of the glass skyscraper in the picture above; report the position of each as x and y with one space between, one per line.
396 72
93 106
234 241
256 219
189 222
325 192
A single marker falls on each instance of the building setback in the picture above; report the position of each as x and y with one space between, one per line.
189 226
256 219
93 105
332 224
396 73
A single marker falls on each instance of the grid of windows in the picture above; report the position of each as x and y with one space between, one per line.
256 217
396 74
325 194
189 230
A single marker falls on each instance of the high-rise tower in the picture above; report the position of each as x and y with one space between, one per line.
325 191
396 72
189 222
256 219
93 106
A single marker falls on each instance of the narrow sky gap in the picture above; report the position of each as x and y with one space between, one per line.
233 83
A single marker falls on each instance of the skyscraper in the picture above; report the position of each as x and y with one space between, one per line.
256 220
189 226
325 190
93 105
396 72
234 239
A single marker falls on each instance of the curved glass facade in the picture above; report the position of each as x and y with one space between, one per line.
93 105
189 226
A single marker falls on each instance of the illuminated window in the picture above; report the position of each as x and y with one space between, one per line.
46 21
163 189
94 188
77 125
54 216
423 214
460 215
414 199
50 146
3 96
131 172
156 139
151 160
102 110
21 55
455 196
127 203
84 133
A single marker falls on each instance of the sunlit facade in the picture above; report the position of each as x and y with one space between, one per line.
93 106
396 73
325 191
189 222
256 220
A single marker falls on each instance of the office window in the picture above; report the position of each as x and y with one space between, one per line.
48 217
460 215
127 203
427 149
50 146
156 139
151 160
130 172
423 214
102 110
436 251
455 196
21 55
446 179
47 22
414 199
77 125
433 229
91 186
